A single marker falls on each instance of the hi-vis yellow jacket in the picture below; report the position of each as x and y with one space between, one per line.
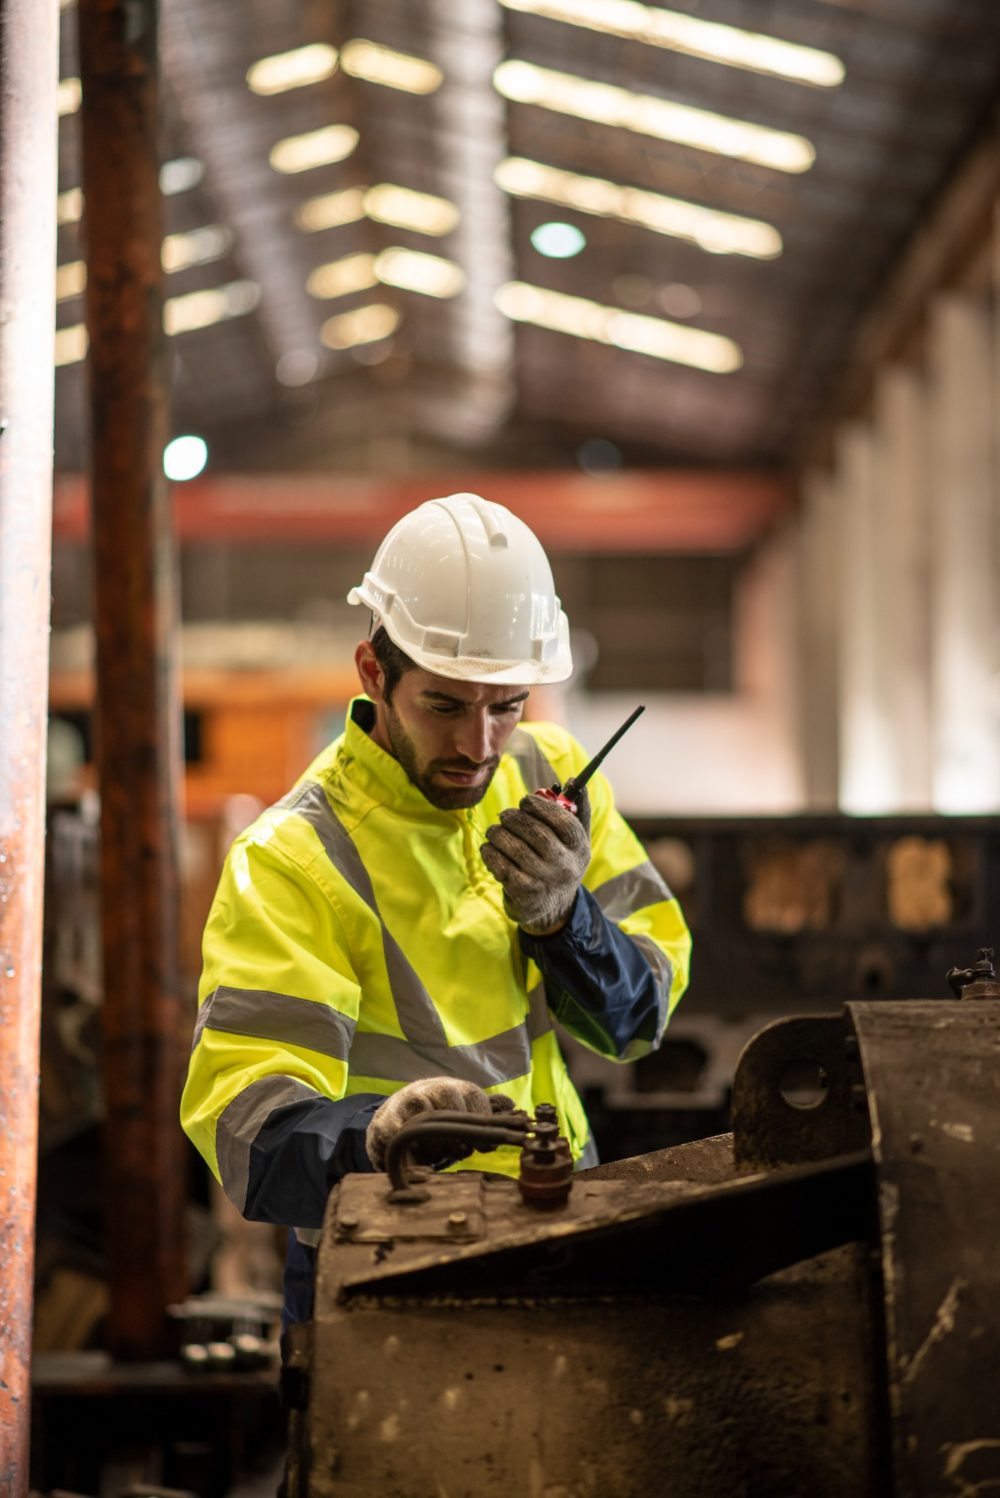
358 942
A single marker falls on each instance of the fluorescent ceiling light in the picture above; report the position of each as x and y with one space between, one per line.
681 33
296 69
331 209
607 104
70 280
558 241
196 247
626 330
340 277
200 309
68 96
377 64
71 345
412 270
69 206
711 229
298 153
363 325
430 275
385 203
180 174
405 209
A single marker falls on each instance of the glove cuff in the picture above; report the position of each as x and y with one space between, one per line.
560 918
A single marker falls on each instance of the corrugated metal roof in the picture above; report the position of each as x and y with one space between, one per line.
921 83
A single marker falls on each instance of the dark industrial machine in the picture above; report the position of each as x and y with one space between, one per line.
789 915
808 1306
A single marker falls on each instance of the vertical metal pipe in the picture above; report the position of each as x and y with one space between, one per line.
137 712
29 42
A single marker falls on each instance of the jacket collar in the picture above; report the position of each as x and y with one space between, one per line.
378 774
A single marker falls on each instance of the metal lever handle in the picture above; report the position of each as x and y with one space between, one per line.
443 1124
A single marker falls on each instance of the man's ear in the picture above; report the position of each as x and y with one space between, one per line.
370 673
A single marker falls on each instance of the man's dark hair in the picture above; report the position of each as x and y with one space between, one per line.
393 661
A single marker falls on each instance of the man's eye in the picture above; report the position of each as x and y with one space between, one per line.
446 712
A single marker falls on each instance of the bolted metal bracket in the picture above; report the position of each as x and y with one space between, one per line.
798 1094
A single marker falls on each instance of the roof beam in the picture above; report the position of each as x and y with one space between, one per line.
676 511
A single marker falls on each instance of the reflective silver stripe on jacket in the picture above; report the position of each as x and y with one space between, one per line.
590 1156
240 1123
418 1018
279 1017
626 893
622 896
539 1019
488 1063
535 769
663 972
424 1050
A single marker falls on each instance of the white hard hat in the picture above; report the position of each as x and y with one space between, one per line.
465 589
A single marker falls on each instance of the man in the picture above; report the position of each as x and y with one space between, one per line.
397 934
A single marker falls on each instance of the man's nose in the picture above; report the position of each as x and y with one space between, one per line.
473 739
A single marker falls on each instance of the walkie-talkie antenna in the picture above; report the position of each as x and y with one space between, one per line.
568 795
576 783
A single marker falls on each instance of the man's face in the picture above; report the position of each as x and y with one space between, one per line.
448 735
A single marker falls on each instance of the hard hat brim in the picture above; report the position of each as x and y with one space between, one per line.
493 673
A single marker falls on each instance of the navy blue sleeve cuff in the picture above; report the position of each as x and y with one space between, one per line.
302 1151
598 983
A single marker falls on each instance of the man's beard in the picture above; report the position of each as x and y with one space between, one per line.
448 798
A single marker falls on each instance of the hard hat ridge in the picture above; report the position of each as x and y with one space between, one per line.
463 586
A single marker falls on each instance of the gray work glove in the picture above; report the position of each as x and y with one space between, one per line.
539 852
425 1096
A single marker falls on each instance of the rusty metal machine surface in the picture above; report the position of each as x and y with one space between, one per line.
810 1307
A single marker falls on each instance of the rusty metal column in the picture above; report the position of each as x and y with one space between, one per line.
137 712
29 70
